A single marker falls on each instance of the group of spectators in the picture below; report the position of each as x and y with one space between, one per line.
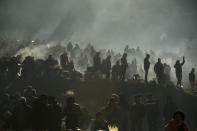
30 111
41 113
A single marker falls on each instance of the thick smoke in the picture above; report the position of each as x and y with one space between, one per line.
151 23
165 26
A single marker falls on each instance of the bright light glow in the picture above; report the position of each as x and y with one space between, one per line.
112 128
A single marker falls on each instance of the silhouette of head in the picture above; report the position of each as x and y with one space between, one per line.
125 55
193 70
70 100
159 60
179 116
99 115
117 62
137 99
147 56
109 57
51 100
44 99
97 53
22 101
115 97
178 62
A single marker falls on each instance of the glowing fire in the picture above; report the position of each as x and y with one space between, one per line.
113 128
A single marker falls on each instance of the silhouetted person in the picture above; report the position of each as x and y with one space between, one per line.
40 113
178 69
134 67
146 67
116 71
137 113
72 112
4 103
124 66
169 108
64 60
21 116
28 68
167 70
69 47
106 67
159 71
126 49
3 69
99 123
51 63
177 123
13 68
70 66
125 111
192 78
112 112
152 113
85 119
97 62
55 115
29 94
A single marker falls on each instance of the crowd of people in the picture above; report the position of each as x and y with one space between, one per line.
30 111
41 113
87 61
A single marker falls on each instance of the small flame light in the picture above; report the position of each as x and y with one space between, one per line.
112 128
69 93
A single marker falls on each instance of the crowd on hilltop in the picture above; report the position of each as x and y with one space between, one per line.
30 111
67 62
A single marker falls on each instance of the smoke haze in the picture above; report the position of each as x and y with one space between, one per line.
150 23
166 26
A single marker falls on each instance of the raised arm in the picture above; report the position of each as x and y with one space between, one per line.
183 61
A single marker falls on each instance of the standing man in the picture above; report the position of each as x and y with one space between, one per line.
178 69
124 66
97 62
64 60
106 67
159 71
146 67
192 78
167 70
116 71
